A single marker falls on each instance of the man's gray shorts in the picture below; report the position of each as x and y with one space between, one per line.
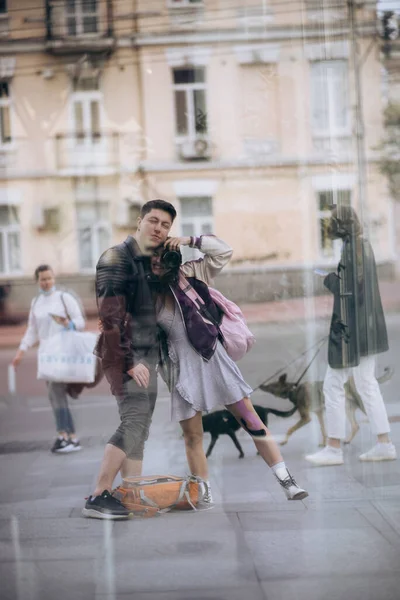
136 406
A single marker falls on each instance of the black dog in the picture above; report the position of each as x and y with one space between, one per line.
223 422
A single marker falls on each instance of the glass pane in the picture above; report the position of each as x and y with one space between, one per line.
325 241
4 215
85 248
3 6
89 6
196 207
206 228
2 257
325 200
199 97
319 97
95 120
14 251
187 229
5 124
71 6
90 24
104 239
13 215
71 26
79 127
9 215
4 89
181 113
338 74
86 84
189 75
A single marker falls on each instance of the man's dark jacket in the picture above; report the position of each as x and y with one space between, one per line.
358 324
126 311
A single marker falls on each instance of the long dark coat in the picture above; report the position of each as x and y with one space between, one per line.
358 325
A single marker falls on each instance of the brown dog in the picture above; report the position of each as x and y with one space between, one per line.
309 397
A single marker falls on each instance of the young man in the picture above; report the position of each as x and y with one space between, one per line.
128 350
357 334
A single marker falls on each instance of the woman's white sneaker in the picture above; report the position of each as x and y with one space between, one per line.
326 457
379 452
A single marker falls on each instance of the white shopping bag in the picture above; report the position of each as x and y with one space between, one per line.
68 357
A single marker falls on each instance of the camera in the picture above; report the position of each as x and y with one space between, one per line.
171 259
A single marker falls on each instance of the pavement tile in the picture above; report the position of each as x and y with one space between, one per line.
51 528
346 517
344 551
354 587
249 592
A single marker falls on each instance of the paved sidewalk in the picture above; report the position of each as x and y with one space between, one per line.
295 309
342 542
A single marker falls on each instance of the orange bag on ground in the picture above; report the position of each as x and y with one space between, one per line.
151 495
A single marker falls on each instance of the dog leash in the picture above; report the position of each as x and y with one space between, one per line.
320 343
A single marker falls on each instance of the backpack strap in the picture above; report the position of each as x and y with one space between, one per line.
198 301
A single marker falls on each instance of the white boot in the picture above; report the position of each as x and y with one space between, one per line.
290 487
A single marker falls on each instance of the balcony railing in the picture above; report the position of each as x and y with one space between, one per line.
83 151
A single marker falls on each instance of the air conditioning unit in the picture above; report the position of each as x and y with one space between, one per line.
46 219
198 149
185 3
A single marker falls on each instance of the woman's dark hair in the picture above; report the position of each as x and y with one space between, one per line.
40 269
159 205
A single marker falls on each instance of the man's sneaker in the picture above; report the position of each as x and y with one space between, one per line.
327 456
380 452
69 446
290 487
105 506
60 442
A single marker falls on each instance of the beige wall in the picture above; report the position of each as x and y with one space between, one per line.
264 205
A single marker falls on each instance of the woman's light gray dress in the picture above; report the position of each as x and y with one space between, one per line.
200 386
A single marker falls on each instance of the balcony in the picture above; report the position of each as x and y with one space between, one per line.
333 148
79 27
85 154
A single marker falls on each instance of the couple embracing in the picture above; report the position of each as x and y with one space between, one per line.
148 318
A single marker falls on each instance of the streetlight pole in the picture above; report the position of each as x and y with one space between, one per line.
359 122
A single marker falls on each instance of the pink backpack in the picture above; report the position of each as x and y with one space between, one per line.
238 338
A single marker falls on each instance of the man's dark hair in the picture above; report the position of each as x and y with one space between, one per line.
40 269
160 205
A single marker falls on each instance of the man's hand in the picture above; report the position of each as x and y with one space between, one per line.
141 375
173 243
17 358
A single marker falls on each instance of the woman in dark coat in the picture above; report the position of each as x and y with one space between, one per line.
357 334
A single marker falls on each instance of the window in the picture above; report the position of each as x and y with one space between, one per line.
196 219
94 232
86 111
329 248
190 102
81 17
3 7
329 98
5 119
10 243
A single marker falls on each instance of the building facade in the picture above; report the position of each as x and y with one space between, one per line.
240 114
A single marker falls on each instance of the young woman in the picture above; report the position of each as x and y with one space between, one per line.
195 364
47 316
